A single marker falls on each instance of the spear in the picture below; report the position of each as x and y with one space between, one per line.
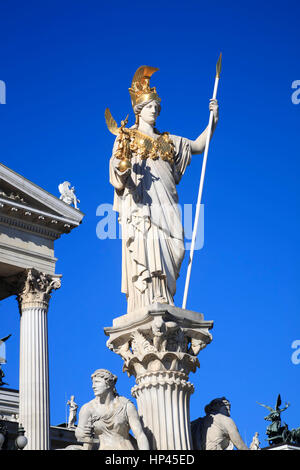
209 128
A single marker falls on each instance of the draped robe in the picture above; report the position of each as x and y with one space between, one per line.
152 234
113 426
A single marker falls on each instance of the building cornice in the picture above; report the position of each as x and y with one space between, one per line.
25 187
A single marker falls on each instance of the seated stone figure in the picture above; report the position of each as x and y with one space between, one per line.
109 417
216 430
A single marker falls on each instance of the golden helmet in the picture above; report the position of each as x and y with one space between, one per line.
140 90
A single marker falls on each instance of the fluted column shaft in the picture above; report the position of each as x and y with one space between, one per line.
34 408
163 402
34 382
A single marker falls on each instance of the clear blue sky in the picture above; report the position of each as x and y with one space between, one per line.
64 62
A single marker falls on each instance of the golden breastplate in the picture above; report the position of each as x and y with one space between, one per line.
148 147
132 141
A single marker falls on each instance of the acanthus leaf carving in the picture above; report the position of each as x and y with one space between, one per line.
35 288
140 345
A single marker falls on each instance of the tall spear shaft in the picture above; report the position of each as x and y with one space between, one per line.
209 129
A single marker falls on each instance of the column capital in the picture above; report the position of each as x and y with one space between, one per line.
160 338
35 287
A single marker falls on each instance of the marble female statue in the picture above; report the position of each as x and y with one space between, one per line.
145 167
255 442
110 417
72 412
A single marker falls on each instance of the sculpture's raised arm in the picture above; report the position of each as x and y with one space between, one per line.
198 145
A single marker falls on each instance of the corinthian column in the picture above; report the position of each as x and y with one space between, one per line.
34 413
159 346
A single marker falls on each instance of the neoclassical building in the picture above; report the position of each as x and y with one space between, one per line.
31 219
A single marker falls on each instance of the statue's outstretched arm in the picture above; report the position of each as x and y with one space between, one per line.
198 145
234 435
136 427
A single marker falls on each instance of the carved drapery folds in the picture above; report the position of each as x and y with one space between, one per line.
159 348
34 289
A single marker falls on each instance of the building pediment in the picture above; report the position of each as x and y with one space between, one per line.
27 206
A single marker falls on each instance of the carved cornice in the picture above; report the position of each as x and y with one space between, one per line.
13 196
49 226
27 189
34 289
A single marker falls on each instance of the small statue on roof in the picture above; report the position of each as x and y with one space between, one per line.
255 442
2 359
72 412
67 194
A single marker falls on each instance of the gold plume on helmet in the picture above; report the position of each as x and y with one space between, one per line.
140 90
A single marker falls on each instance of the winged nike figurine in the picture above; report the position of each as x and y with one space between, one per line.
111 123
274 412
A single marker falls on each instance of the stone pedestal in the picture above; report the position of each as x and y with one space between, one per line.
159 345
34 414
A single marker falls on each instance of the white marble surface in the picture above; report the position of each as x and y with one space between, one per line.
110 417
34 414
217 430
159 345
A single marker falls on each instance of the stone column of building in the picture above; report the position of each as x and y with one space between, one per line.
34 293
159 346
